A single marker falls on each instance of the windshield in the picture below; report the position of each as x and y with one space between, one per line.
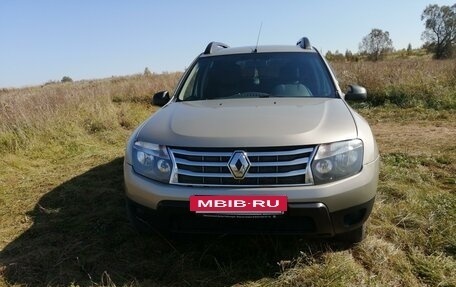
257 75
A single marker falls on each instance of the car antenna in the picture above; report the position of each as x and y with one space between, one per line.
258 38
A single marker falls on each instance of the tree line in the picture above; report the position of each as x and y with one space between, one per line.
439 37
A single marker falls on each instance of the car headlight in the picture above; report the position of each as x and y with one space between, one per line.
152 161
337 160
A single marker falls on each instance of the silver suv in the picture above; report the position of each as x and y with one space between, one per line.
254 139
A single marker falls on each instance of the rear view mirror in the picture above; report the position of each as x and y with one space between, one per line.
161 98
356 93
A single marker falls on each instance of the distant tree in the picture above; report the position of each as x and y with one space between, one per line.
338 56
348 55
409 49
147 72
329 55
66 79
376 44
50 82
440 33
334 57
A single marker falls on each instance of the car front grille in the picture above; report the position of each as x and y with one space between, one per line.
268 166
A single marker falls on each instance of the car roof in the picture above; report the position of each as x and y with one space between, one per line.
260 49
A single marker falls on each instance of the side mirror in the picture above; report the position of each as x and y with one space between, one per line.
161 98
356 93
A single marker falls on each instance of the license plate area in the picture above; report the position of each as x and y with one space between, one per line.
240 215
235 206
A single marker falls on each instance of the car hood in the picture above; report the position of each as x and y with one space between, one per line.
258 122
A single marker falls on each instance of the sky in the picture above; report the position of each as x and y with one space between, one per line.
45 40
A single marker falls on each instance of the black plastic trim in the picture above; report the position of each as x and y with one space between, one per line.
304 43
312 219
339 218
212 46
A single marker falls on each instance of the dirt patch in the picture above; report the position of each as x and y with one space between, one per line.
415 139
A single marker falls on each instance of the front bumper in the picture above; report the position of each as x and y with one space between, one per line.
301 218
324 210
338 195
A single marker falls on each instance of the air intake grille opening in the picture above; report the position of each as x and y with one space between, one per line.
268 166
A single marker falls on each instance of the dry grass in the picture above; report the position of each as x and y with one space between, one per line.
403 82
92 105
62 219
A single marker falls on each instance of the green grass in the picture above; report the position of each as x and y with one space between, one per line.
63 223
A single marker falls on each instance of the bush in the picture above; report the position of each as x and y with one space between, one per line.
66 79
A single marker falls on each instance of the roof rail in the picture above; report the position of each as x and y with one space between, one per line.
304 43
212 46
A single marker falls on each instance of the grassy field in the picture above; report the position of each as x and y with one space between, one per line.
62 217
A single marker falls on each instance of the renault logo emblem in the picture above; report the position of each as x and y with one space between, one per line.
239 164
